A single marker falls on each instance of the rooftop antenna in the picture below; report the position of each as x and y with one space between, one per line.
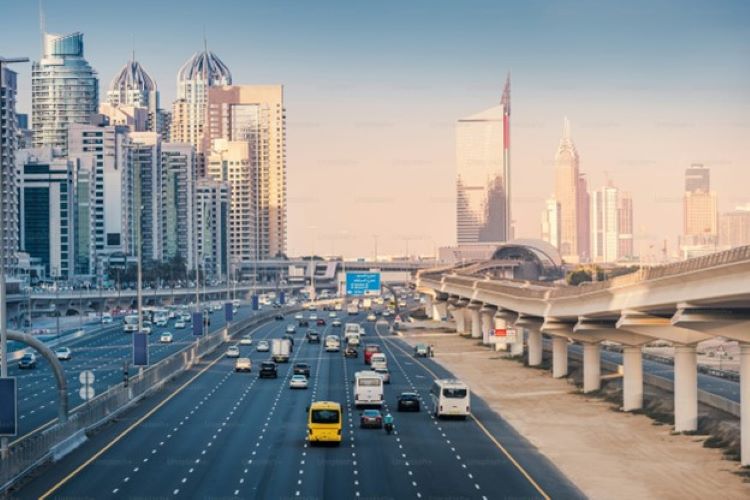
133 52
42 24
205 40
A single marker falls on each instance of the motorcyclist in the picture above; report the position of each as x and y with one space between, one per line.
388 423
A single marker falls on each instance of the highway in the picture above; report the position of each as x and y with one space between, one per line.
102 351
226 434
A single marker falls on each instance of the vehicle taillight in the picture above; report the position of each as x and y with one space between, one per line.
467 409
356 396
441 407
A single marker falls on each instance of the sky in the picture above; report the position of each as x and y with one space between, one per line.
373 91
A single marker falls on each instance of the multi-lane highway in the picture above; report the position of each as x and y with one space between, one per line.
104 352
226 434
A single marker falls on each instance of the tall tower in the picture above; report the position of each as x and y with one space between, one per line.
9 186
505 103
567 183
65 90
700 213
133 87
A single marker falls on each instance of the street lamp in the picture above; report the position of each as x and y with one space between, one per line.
3 318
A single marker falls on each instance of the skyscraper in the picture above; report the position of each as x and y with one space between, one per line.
734 227
626 249
47 202
177 202
567 186
483 177
144 184
700 213
551 222
212 226
9 186
255 114
605 224
65 90
203 70
133 87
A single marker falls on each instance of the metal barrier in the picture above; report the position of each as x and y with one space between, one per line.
54 442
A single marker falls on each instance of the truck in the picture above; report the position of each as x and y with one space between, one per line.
280 349
352 309
352 334
366 304
130 323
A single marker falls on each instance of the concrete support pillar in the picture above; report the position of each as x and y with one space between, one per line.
427 305
685 389
591 367
439 311
632 379
559 357
476 324
458 316
745 404
516 348
488 326
535 347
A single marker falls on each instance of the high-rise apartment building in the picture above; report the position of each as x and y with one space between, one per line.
700 213
605 224
104 155
255 114
626 248
9 185
144 186
567 186
584 219
212 226
47 204
203 70
230 162
177 202
734 227
551 222
65 90
133 87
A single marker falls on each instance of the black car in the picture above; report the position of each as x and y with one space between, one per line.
304 322
313 337
279 317
302 369
268 370
408 401
351 352
321 322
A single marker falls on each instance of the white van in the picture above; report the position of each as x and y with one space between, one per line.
368 389
378 361
450 397
333 343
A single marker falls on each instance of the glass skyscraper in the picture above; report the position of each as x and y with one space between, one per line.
65 90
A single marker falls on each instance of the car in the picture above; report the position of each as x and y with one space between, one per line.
336 323
408 401
268 370
166 338
371 419
263 346
179 324
370 349
298 316
146 328
233 351
303 322
162 322
321 322
384 373
313 337
371 317
243 365
246 340
28 361
331 314
301 369
313 317
298 382
386 313
63 353
279 317
421 351
290 329
351 352
106 318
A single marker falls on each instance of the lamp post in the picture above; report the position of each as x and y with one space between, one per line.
3 318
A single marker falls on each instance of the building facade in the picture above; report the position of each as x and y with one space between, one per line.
255 114
605 224
626 248
700 231
9 184
551 222
177 202
212 206
734 227
133 87
65 90
144 189
567 193
47 210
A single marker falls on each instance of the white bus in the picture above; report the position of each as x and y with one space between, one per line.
450 397
378 361
130 323
352 333
368 389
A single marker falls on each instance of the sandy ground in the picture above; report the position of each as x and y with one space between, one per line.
607 454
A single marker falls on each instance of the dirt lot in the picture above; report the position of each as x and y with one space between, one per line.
605 452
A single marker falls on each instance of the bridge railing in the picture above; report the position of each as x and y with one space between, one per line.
53 442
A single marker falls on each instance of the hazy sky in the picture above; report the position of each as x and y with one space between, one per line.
373 90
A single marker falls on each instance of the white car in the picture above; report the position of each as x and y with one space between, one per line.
63 353
331 314
313 317
290 329
180 325
146 328
233 351
246 340
371 317
166 338
298 316
298 382
263 346
162 322
243 365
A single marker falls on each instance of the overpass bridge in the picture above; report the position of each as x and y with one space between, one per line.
683 303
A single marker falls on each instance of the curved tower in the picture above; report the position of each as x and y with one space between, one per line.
132 86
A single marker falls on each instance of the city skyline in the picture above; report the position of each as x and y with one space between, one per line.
337 131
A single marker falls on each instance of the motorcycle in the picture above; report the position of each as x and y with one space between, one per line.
388 428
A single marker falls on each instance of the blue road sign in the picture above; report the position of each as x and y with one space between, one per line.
282 298
362 284
140 349
255 302
197 324
8 407
228 311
